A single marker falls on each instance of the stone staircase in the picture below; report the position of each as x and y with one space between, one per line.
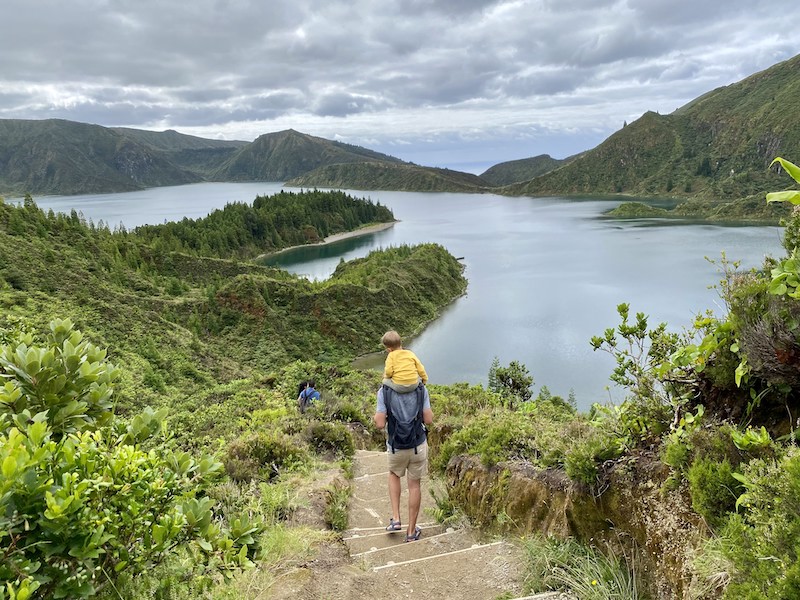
446 563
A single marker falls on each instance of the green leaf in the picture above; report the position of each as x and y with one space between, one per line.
9 467
792 169
790 196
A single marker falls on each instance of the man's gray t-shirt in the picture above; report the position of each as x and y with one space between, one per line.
404 406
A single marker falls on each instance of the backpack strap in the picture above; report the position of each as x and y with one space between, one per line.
420 407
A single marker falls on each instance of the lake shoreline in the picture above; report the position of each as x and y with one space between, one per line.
374 228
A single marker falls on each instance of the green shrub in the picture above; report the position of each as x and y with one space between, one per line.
760 542
676 453
455 401
493 437
586 452
713 488
332 437
83 503
264 455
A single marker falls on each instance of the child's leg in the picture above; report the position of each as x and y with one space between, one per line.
402 388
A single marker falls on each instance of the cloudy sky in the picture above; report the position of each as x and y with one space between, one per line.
451 83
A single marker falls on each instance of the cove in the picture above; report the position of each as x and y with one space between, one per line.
545 274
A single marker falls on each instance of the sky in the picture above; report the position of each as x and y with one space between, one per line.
462 84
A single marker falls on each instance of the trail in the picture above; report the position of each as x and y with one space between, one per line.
452 563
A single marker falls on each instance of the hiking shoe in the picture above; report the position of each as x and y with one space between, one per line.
415 537
393 525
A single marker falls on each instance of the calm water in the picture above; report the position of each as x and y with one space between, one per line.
157 205
545 275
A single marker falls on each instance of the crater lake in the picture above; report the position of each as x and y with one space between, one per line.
545 274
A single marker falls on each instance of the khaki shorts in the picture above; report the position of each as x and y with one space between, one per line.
416 463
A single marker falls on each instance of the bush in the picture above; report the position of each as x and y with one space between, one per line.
713 488
264 455
760 543
334 437
82 503
581 461
494 437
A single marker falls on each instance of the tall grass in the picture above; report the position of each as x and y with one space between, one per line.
580 570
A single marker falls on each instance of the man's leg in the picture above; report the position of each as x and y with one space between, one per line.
394 495
417 468
414 501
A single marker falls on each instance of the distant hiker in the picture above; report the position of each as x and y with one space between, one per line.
402 372
307 395
405 415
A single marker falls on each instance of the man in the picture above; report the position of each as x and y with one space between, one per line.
407 447
308 395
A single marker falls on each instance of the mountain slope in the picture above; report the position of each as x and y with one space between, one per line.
286 154
515 171
64 157
196 154
718 146
390 176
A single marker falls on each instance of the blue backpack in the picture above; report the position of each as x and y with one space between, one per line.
404 435
307 396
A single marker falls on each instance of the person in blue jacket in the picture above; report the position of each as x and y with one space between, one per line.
308 395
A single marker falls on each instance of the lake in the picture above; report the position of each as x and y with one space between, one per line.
545 274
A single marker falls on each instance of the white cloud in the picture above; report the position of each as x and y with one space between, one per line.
440 78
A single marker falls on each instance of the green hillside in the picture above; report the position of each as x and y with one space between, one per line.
63 157
717 147
390 176
515 171
196 154
179 288
286 154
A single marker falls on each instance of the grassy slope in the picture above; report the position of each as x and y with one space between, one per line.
64 157
181 325
390 176
525 169
286 154
717 147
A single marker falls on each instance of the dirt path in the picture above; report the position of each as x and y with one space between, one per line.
446 563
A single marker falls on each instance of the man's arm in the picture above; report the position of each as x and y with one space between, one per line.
380 411
427 416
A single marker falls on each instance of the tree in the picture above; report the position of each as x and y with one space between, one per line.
512 382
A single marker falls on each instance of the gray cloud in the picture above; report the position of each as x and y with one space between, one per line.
398 74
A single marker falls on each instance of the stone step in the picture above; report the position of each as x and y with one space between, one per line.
484 571
362 540
369 462
396 551
370 508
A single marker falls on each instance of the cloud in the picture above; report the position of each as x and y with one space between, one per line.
446 75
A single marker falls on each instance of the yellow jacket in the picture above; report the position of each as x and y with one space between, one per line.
403 367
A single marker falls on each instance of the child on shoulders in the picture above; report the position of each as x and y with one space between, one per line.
403 371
